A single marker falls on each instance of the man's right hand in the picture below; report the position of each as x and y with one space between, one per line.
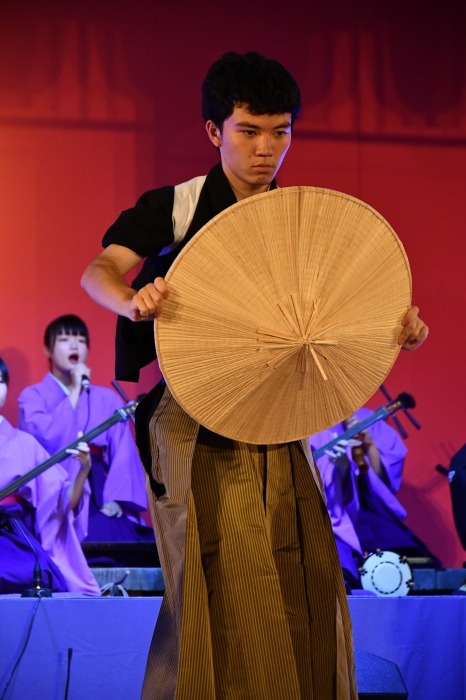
147 303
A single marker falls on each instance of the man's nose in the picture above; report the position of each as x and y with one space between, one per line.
264 146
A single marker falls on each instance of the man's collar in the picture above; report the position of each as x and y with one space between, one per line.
220 191
216 196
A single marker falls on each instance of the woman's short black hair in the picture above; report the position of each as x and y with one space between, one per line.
261 84
4 373
68 325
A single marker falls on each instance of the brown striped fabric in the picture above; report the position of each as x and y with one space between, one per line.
255 605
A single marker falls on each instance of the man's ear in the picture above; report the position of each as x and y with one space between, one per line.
47 352
214 133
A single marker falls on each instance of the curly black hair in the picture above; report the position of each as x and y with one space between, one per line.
261 84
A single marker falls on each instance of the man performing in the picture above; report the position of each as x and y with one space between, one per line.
60 406
255 605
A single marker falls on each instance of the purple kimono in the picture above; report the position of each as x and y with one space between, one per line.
43 510
344 506
46 412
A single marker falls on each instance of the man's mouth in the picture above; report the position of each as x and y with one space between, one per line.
73 358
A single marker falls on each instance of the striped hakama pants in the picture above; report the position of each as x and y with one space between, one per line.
255 605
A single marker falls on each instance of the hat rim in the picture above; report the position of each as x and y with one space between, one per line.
186 251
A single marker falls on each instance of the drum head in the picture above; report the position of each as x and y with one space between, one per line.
386 574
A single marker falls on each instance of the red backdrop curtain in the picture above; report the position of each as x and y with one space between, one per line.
100 102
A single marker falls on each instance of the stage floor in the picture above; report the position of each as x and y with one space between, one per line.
425 636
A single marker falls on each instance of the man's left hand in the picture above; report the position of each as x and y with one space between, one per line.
414 330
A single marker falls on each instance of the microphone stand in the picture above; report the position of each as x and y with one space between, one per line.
124 396
38 591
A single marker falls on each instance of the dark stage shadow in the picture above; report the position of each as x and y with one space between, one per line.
427 521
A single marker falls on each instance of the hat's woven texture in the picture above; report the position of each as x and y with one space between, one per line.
284 314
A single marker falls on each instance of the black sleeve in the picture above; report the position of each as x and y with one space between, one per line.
147 228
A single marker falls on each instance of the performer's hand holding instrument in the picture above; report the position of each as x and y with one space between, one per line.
119 416
404 400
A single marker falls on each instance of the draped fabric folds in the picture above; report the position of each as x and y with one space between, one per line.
42 505
255 605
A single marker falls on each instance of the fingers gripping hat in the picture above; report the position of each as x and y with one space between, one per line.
284 314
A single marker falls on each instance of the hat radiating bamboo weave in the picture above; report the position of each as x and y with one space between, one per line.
284 314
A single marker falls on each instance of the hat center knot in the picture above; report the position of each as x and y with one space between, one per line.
296 337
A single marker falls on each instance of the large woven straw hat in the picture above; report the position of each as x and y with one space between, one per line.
284 314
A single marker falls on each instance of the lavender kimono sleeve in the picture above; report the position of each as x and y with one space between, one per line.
342 504
51 420
125 481
57 525
392 452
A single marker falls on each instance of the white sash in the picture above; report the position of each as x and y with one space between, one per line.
184 205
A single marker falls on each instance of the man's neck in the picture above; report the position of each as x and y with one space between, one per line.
63 377
241 189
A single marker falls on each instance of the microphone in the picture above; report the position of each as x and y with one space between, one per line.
85 383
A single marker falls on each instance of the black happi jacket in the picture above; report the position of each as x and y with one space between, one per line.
148 230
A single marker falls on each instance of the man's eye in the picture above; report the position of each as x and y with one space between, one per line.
249 132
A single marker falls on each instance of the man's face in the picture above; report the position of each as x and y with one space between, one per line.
68 351
252 147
